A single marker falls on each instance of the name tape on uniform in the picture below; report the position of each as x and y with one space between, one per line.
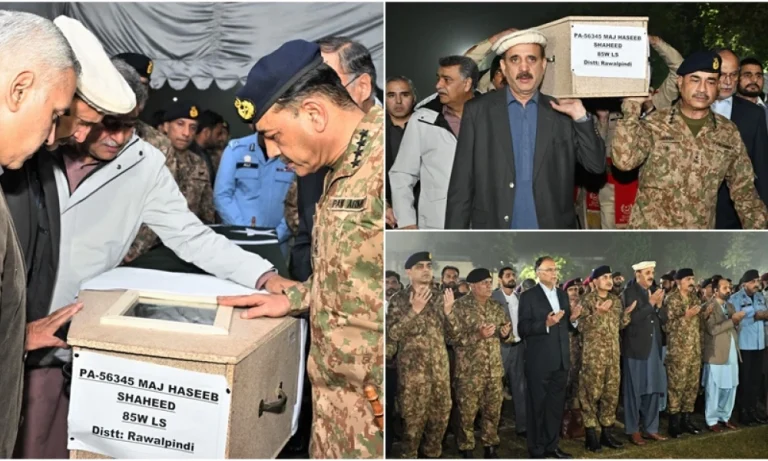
609 51
125 408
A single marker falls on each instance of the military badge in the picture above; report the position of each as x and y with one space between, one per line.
715 63
150 66
193 112
245 109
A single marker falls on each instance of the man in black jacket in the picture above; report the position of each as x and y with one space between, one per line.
644 379
544 323
750 120
516 155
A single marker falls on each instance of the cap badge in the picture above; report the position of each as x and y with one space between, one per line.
715 64
245 108
150 66
193 112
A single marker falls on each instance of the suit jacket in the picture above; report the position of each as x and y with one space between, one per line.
17 186
645 322
718 331
310 189
544 351
481 191
750 120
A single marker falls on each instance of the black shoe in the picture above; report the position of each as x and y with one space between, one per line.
757 418
558 454
746 419
674 426
687 425
590 442
490 453
523 435
466 454
607 439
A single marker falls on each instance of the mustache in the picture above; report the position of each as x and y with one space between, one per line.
523 75
700 95
110 143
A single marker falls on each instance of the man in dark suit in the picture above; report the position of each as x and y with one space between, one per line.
544 324
517 150
644 379
750 120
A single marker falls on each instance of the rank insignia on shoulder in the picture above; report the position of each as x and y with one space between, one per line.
347 204
252 147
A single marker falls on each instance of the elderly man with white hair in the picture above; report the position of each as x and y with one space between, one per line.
644 379
33 202
516 155
39 73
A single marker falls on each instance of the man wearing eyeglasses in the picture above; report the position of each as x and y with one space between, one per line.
546 316
751 122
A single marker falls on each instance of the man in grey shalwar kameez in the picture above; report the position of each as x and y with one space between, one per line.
644 379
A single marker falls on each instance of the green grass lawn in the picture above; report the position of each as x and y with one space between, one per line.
744 442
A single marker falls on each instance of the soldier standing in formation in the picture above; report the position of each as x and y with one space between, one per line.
572 289
602 317
418 320
478 373
304 113
683 354
686 151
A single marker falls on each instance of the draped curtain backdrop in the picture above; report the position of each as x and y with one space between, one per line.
216 42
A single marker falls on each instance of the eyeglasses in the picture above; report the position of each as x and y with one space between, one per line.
356 76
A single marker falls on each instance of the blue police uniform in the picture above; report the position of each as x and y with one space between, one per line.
250 185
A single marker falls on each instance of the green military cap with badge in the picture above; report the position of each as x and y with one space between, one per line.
700 61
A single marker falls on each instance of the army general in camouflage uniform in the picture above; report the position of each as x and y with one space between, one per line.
683 353
418 320
602 317
305 114
477 377
686 151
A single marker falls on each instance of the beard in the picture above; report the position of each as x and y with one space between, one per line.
511 284
749 92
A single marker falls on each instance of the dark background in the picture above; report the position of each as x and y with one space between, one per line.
418 34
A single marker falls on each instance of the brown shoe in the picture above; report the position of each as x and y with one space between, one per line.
715 428
730 425
637 439
657 437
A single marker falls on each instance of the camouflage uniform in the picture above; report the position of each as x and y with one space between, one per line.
683 353
424 374
479 370
572 382
292 207
345 298
600 370
681 174
193 178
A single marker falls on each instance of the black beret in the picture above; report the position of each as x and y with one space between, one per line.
599 272
141 63
616 274
683 273
667 277
749 275
209 119
706 282
422 256
704 61
273 75
182 109
478 275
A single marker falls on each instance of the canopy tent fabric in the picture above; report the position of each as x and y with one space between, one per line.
217 42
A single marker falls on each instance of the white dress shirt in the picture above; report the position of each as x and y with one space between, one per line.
513 304
724 107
